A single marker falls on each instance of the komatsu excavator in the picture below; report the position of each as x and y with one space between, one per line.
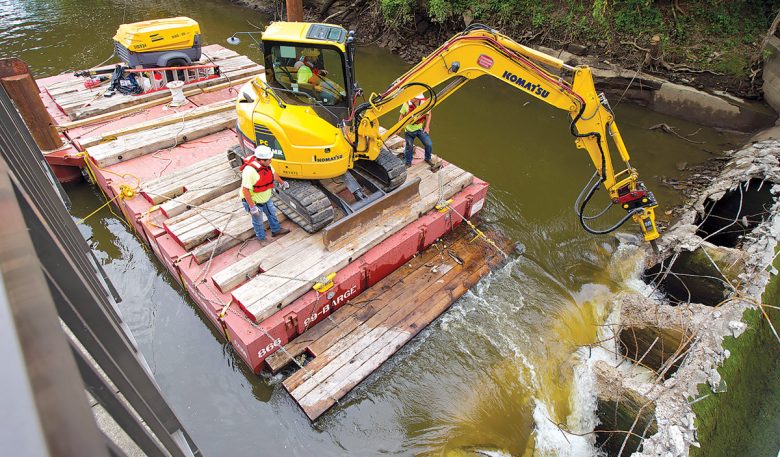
307 112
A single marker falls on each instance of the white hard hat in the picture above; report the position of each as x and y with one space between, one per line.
420 97
263 152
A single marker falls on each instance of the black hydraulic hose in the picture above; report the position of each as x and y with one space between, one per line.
595 186
617 225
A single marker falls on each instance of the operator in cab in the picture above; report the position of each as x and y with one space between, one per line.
309 71
257 183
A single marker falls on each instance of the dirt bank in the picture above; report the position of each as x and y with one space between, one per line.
703 44
702 97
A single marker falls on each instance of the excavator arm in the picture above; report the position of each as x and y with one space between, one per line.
480 51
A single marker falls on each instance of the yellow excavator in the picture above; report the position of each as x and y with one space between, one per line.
307 111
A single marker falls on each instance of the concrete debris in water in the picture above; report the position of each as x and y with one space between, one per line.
679 340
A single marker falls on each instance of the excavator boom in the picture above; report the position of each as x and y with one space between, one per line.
480 51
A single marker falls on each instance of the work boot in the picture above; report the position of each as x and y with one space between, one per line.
282 231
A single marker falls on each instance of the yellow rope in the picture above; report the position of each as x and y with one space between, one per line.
479 233
125 192
81 221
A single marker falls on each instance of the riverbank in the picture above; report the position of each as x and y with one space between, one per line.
671 80
709 45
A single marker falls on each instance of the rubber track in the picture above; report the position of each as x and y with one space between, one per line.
392 171
310 198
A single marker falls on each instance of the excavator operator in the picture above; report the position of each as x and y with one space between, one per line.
307 71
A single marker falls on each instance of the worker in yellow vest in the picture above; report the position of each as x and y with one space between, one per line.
418 129
257 183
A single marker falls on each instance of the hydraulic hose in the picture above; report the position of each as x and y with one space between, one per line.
581 213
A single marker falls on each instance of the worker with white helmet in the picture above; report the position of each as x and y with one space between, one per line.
257 183
417 129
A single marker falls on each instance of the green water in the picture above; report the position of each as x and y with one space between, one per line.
473 379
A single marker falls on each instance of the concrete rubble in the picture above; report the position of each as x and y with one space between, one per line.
680 341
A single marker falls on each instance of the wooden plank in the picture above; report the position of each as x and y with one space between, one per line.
78 101
194 113
221 183
137 144
396 302
206 221
210 226
333 379
221 205
270 255
140 107
322 389
237 273
236 233
172 184
76 108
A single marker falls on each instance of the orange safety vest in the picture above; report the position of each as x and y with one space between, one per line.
266 179
420 121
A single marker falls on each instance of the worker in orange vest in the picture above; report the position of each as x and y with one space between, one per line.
419 129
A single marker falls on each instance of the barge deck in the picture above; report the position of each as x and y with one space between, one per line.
166 170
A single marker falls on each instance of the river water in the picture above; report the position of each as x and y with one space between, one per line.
496 372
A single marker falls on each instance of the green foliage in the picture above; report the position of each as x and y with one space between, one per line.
397 12
706 34
600 11
733 64
439 10
635 16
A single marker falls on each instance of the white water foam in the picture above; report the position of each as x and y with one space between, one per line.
551 441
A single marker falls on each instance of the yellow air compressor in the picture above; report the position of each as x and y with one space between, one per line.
170 42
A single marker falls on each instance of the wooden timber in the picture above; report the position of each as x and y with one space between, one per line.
174 118
364 333
135 144
17 81
174 184
79 102
107 117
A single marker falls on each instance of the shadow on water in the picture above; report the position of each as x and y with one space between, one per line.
480 378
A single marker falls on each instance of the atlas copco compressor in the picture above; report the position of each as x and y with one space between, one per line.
170 42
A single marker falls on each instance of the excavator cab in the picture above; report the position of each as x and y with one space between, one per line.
311 70
301 111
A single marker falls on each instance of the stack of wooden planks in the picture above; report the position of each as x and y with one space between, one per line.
364 333
165 133
79 102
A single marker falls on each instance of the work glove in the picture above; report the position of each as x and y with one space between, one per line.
254 211
285 185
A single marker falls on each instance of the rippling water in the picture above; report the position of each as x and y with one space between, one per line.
495 374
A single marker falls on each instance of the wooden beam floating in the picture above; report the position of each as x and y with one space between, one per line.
363 334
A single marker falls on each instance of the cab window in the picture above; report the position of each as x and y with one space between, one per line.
307 75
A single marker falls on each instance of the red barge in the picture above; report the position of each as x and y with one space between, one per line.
166 170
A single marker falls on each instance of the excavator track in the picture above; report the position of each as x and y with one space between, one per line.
387 171
305 204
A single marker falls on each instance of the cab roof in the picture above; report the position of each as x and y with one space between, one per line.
305 32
